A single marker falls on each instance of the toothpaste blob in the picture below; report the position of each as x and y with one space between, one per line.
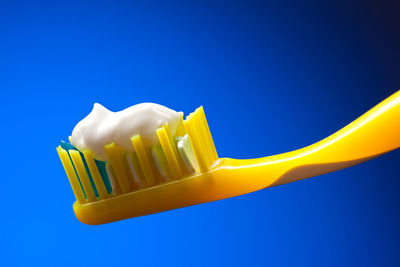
102 127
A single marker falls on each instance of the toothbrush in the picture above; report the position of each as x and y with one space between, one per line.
187 171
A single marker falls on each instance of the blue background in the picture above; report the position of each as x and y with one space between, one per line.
278 74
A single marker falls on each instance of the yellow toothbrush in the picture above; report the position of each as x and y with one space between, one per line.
213 178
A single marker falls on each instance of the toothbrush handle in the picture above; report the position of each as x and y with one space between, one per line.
373 134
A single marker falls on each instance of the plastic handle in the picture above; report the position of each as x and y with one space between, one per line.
374 133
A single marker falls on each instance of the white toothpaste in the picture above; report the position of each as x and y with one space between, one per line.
102 127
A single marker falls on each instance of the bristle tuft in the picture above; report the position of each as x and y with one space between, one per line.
144 159
101 189
83 176
201 139
120 167
170 151
72 177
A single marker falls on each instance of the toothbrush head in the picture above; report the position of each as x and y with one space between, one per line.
151 179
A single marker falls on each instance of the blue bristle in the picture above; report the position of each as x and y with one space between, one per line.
89 174
101 165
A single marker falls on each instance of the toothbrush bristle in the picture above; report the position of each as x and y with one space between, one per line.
144 160
201 139
170 152
94 171
83 175
145 167
120 168
71 174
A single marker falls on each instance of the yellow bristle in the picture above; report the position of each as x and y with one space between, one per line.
144 159
120 167
170 151
202 140
94 171
180 131
209 140
73 179
83 176
194 140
